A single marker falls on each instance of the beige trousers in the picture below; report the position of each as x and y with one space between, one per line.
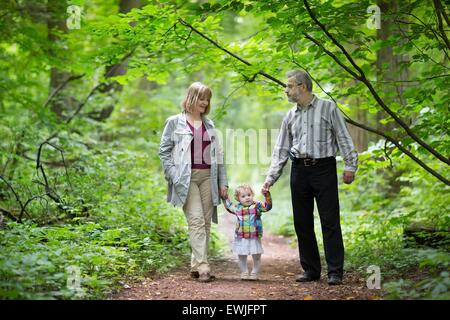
198 210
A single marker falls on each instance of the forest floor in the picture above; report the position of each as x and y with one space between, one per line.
280 265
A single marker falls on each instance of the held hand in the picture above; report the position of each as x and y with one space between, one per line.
223 192
226 196
348 177
265 187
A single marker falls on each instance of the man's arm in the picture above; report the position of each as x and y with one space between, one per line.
280 154
345 142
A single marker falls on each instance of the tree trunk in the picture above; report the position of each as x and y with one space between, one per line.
56 22
110 89
389 70
389 65
360 136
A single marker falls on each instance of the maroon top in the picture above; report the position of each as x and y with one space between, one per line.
199 158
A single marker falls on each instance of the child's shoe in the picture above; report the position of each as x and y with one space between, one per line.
244 276
253 276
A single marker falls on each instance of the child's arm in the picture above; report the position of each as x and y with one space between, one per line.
229 206
267 205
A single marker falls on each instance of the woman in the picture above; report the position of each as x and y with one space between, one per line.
194 168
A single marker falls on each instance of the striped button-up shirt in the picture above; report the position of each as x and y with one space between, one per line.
315 131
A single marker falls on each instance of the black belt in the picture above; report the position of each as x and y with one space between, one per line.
307 162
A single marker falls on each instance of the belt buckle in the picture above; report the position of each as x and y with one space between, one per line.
311 161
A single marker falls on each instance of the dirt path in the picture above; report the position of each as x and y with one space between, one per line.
279 267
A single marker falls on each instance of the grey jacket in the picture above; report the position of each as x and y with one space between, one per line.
175 155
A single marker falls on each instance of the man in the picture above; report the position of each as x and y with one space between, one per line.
311 133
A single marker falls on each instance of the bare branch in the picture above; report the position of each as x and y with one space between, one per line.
52 194
94 90
9 215
13 191
60 87
28 202
16 196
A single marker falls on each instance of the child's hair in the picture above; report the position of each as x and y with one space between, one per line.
195 91
241 188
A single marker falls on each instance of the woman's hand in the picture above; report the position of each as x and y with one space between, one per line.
223 192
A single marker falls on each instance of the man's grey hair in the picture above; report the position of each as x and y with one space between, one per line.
301 77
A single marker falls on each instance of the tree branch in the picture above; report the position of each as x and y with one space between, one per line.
28 202
333 39
434 32
333 56
406 151
420 50
228 52
93 91
415 80
438 9
48 190
443 13
60 87
374 92
15 195
9 215
396 142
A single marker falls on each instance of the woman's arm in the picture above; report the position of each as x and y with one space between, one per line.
165 150
221 168
222 171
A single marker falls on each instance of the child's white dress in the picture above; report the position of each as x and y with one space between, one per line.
247 246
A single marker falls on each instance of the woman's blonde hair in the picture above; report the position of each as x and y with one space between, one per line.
193 93
242 188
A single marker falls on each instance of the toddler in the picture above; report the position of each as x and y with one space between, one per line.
249 228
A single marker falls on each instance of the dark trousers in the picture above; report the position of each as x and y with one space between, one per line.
317 182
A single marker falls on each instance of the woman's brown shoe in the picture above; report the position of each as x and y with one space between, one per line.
206 277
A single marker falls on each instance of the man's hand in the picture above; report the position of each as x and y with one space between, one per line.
265 187
349 176
223 192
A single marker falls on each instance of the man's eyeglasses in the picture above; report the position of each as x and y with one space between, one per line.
297 84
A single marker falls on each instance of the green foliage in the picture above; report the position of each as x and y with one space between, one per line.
110 218
434 284
390 199
34 259
130 232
